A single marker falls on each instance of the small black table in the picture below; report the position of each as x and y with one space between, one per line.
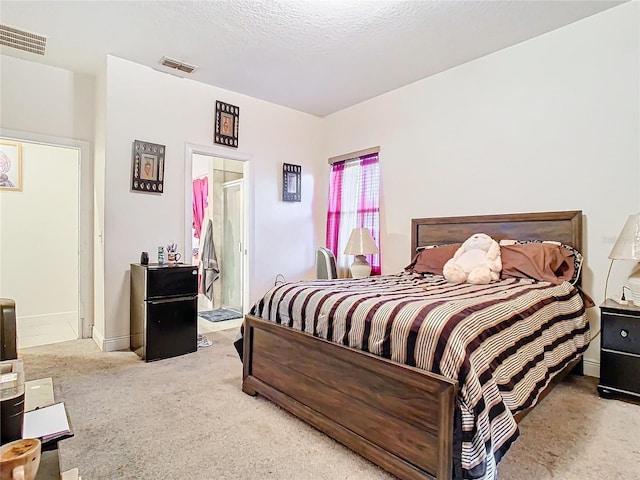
619 350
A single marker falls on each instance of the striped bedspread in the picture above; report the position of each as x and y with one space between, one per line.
502 342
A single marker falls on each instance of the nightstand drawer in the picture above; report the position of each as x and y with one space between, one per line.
620 371
621 332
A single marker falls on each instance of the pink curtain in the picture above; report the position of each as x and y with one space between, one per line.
335 201
368 205
200 201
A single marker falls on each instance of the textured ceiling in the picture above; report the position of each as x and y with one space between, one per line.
316 56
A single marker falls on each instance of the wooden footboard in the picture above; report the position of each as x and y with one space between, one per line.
399 417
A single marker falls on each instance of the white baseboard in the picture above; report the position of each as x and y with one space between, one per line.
113 344
98 338
591 368
51 318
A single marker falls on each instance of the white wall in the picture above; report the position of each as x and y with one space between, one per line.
39 242
144 104
549 124
45 100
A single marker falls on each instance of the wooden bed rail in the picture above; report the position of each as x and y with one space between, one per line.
399 417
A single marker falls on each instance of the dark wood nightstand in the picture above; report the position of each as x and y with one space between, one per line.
619 350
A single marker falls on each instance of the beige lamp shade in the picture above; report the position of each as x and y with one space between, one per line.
627 247
361 243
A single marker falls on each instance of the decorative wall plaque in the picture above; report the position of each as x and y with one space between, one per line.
291 183
227 126
147 173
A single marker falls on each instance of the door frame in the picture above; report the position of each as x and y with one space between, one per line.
248 218
85 219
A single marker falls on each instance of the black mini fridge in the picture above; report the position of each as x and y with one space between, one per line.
164 310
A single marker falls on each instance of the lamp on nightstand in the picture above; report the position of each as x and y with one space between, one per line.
360 244
627 247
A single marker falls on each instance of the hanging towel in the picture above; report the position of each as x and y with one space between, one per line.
210 268
199 204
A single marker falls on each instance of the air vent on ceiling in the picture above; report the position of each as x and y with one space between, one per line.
178 65
26 41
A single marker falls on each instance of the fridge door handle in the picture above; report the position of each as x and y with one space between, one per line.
171 300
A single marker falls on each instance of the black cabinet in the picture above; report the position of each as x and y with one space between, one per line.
164 309
619 350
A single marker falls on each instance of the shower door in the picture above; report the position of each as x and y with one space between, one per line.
232 248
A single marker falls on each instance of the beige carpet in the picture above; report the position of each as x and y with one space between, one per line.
187 418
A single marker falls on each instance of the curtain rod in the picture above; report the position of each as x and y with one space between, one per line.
349 156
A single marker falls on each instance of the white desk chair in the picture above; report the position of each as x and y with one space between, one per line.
325 264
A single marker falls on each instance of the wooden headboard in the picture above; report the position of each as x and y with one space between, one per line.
565 227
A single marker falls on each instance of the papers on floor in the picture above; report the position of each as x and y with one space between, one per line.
38 393
72 474
48 423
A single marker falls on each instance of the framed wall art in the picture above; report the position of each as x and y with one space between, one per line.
227 126
291 183
10 165
147 171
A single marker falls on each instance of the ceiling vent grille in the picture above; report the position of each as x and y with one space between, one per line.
26 41
178 65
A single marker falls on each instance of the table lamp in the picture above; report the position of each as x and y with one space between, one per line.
627 247
360 244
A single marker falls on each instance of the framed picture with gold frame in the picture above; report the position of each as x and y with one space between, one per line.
227 124
147 169
10 165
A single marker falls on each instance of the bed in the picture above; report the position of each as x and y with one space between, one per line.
411 417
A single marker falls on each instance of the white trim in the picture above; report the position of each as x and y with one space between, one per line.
99 339
85 219
53 314
591 368
359 153
221 152
116 344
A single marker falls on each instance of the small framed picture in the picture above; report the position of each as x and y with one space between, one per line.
147 171
227 124
10 166
291 183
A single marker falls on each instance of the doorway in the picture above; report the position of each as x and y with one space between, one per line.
219 232
40 241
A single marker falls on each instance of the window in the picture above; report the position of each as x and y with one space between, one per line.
354 202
